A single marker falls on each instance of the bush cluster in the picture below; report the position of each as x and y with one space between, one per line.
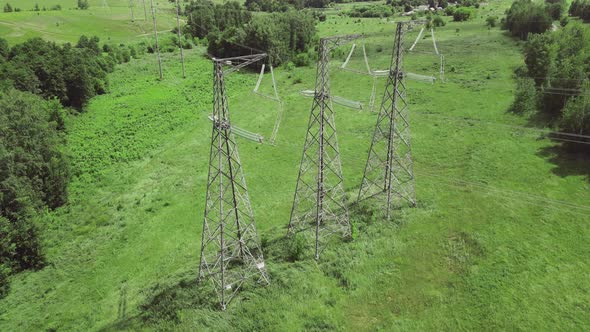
462 14
379 11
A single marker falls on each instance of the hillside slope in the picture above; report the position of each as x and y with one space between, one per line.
497 241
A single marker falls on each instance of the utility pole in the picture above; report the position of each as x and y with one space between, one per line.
156 35
131 8
389 167
144 10
319 206
230 251
179 38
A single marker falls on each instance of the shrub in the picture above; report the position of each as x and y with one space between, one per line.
301 60
525 99
83 4
4 273
296 248
564 21
462 14
8 8
450 10
438 21
576 115
492 21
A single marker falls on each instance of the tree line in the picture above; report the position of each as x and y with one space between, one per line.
33 176
37 80
226 26
555 81
527 17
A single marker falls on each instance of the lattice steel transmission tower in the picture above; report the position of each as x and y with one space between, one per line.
230 249
389 168
319 208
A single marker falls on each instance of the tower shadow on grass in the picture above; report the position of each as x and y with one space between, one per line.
164 302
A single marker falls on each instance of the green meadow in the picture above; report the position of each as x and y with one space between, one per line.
112 23
497 241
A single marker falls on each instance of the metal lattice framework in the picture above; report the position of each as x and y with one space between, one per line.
389 167
319 208
230 249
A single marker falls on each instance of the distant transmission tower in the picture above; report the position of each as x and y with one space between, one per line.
131 5
389 167
156 36
319 207
180 46
230 250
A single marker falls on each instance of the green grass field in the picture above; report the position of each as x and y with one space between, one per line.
497 241
111 23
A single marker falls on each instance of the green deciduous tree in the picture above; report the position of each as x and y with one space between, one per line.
525 98
576 114
526 17
538 57
71 74
462 14
555 8
83 4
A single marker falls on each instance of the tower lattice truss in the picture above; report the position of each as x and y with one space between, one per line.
230 251
319 208
389 171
